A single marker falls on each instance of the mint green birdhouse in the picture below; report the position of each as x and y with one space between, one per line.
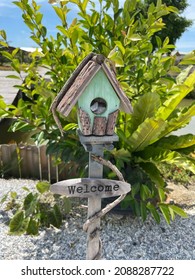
93 87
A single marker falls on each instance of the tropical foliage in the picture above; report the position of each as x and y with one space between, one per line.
171 20
39 208
123 34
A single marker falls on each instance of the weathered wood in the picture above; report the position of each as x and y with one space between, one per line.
125 103
112 204
10 160
85 122
29 161
94 206
99 126
111 123
43 158
105 139
81 77
88 187
80 83
70 81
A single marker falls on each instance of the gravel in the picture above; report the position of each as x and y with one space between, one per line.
123 237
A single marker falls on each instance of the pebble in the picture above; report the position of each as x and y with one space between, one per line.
124 237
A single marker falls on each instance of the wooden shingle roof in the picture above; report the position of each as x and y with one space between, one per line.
81 77
79 80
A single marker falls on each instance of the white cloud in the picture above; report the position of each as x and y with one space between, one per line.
30 49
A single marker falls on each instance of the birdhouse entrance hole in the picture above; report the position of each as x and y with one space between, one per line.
98 106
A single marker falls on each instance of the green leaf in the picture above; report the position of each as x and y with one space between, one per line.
190 80
179 120
35 39
120 46
30 204
137 209
151 154
3 34
188 59
55 217
3 105
173 9
16 65
84 4
174 142
143 210
126 201
94 18
145 192
172 214
183 75
13 77
66 205
7 55
116 57
164 208
13 195
71 126
121 154
122 135
15 51
18 224
153 172
135 188
33 227
134 37
29 23
74 35
26 189
43 31
61 13
63 30
178 211
43 187
130 5
4 44
146 134
161 194
153 211
19 4
144 108
38 18
178 93
117 14
21 126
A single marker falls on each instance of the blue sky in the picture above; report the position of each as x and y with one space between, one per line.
18 34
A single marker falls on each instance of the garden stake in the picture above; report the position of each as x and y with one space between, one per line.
93 87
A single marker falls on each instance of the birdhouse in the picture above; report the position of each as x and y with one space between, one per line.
94 89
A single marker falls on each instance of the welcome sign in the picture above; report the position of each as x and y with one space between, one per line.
89 187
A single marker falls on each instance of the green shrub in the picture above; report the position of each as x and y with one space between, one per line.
38 209
123 35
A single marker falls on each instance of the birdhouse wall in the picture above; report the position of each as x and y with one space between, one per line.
96 123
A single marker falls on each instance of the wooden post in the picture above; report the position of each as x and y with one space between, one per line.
94 206
94 188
